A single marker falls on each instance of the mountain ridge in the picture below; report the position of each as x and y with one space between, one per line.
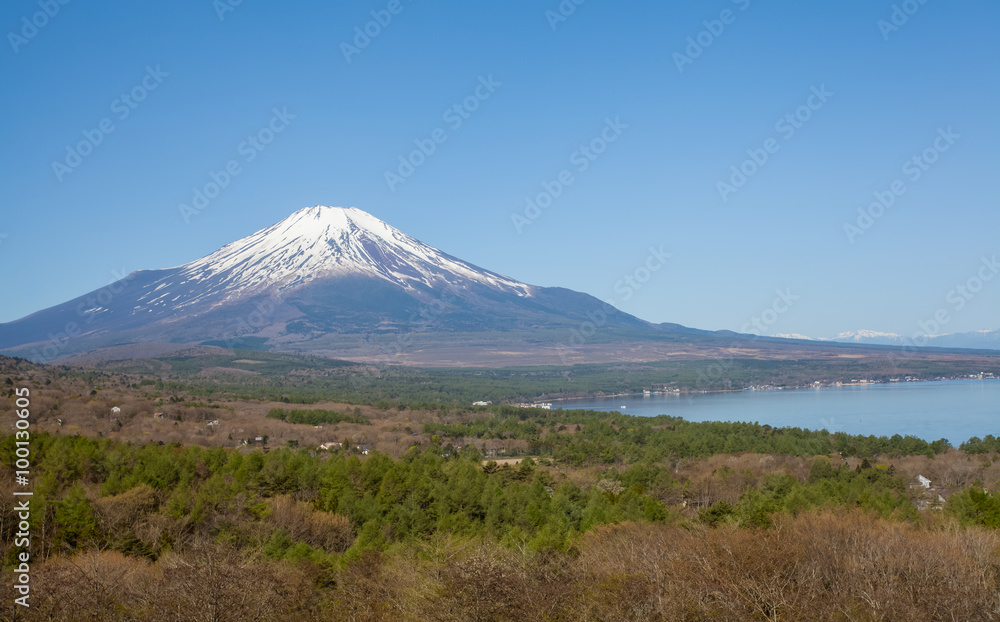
987 339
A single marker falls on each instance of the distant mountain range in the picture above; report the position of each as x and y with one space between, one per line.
980 339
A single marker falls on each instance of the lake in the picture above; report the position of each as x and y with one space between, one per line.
955 409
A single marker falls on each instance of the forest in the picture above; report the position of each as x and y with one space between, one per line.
120 531
165 510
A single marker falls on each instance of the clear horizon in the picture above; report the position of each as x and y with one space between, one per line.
826 166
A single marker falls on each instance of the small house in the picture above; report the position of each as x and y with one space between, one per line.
923 481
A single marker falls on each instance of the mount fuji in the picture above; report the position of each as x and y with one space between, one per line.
326 280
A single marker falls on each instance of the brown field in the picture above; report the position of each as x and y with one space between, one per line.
484 355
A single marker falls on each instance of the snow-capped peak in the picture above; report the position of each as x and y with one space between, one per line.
865 335
323 241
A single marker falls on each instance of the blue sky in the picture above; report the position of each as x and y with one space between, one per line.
682 114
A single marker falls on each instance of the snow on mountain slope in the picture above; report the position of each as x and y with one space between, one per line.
868 336
315 243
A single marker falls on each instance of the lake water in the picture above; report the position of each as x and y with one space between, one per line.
956 409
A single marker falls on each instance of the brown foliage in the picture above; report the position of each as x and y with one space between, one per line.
105 586
834 566
326 530
211 583
124 511
820 566
485 585
370 591
215 584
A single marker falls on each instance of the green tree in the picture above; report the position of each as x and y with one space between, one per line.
974 506
74 517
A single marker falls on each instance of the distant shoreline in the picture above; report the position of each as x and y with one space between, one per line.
771 388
